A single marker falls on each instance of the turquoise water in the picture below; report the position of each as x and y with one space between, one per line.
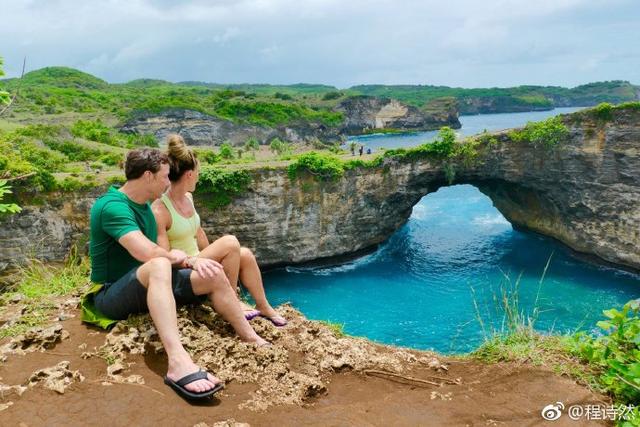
418 289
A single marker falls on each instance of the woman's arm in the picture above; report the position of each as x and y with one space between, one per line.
203 241
201 236
163 219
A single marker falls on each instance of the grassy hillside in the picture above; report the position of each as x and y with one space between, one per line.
56 90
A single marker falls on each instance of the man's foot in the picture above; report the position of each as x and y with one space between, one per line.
178 370
180 386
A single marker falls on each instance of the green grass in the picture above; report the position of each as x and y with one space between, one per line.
336 328
40 284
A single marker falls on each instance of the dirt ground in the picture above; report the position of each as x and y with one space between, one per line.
309 377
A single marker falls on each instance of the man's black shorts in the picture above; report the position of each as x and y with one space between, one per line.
127 296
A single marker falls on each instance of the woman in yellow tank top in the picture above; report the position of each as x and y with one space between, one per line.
179 228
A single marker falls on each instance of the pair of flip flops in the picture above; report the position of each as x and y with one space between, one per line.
278 321
179 386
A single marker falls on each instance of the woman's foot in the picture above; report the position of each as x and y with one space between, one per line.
273 316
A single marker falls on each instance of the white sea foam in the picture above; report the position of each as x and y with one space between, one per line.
489 220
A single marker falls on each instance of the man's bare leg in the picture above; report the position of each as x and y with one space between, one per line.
155 275
226 303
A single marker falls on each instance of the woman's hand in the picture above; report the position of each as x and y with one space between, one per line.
205 267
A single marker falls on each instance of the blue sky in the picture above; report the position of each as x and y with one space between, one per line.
467 43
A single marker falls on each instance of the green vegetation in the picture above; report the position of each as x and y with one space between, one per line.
220 186
4 95
226 151
7 208
56 90
279 147
521 98
325 167
616 353
336 328
39 285
548 133
605 112
608 363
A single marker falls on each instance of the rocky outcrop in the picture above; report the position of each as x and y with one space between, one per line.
366 113
500 104
361 114
585 192
202 129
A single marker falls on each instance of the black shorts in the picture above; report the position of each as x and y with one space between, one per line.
127 296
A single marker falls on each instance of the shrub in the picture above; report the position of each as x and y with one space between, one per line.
221 186
547 133
323 166
226 151
279 147
251 144
7 208
616 353
93 131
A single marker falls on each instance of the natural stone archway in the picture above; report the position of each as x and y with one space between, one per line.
584 192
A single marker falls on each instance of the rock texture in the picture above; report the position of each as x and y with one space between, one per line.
361 114
584 192
202 129
365 113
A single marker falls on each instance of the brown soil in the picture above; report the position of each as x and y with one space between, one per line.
308 377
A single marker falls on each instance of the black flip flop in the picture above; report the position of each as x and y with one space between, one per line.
178 386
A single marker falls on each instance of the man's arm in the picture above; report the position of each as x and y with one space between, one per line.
143 249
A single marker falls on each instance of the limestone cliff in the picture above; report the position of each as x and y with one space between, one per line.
585 192
365 113
361 114
202 129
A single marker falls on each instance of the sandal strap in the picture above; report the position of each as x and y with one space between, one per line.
188 379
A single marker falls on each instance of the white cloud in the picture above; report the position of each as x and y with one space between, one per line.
457 43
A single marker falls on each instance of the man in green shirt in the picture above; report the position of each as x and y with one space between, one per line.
133 274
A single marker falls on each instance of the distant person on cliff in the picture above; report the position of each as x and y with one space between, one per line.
179 228
361 150
134 274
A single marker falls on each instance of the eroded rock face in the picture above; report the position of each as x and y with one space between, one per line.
584 192
364 113
202 129
45 231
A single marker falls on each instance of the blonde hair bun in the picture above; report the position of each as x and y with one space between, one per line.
178 149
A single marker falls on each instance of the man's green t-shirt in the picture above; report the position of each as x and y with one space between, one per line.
112 216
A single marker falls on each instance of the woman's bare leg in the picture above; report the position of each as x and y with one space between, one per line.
252 280
226 251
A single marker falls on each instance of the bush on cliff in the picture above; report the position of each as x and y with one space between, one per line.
325 167
547 133
220 186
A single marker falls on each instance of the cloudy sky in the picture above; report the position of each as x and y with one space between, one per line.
467 43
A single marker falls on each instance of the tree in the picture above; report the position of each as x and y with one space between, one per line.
226 152
4 96
278 147
251 144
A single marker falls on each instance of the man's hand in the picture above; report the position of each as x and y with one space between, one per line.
177 257
206 267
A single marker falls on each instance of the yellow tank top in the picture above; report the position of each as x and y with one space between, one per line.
182 234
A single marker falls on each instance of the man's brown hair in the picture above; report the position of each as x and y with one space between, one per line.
144 159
